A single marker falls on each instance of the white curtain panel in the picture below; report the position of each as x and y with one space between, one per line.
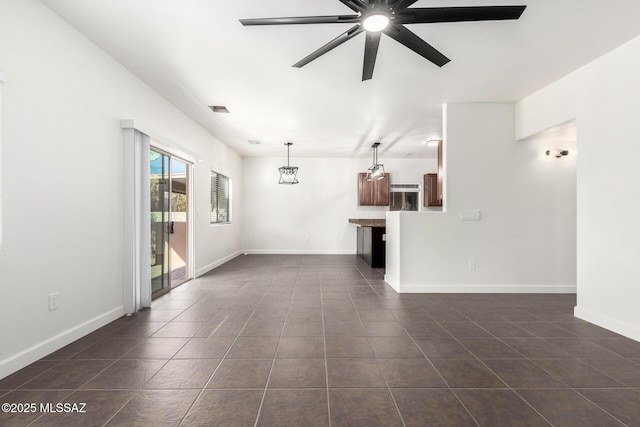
137 267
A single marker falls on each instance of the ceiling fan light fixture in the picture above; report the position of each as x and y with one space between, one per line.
389 17
375 22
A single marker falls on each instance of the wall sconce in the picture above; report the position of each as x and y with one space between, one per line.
288 173
433 142
557 153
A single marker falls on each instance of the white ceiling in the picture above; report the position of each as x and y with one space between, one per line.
196 53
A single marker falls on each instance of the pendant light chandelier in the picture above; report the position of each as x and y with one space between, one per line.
288 173
376 171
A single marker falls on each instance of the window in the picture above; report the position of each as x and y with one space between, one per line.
405 197
220 198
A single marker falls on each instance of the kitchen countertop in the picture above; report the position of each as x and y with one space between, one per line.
368 222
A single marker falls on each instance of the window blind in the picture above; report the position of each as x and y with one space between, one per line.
220 198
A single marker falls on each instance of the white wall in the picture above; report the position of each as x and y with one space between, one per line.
312 216
1 84
604 98
62 183
525 240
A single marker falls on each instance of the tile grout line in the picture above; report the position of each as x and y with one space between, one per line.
436 369
133 394
553 311
275 354
568 386
598 406
483 364
439 374
326 363
44 414
78 389
393 399
446 382
604 373
204 387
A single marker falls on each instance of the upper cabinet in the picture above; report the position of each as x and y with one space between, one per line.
432 197
433 184
373 193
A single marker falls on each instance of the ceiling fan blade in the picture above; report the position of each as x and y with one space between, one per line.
370 54
399 5
355 5
352 32
458 14
409 39
332 19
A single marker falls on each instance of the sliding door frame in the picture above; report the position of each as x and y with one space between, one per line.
189 217
137 211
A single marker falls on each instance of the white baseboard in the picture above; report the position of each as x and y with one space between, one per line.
392 282
622 328
299 251
38 351
218 263
484 289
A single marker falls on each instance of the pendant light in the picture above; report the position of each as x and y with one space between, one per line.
288 173
376 171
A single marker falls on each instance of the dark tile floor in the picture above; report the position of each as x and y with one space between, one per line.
322 340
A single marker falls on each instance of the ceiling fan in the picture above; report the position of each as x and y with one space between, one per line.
375 17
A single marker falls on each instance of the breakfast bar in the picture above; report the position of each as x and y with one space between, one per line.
371 240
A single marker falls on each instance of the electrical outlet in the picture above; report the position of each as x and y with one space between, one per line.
472 264
53 301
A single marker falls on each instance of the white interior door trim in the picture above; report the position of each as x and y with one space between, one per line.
162 142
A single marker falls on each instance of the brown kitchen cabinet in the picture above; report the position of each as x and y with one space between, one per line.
373 193
432 196
433 183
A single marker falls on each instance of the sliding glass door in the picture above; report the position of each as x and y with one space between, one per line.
178 223
169 185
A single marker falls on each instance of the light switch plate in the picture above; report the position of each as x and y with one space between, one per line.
470 215
53 301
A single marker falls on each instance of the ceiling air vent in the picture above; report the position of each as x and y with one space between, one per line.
218 108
